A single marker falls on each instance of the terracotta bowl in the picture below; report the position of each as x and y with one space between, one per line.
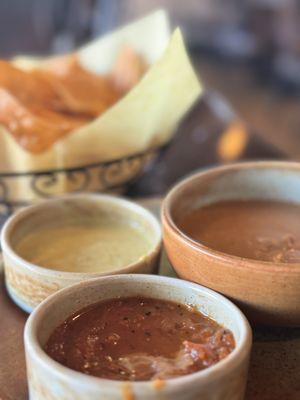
50 380
28 284
268 293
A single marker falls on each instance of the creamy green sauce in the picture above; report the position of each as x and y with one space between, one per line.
86 247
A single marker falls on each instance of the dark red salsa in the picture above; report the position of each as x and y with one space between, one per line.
138 339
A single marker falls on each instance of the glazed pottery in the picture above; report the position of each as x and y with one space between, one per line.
48 379
268 293
29 284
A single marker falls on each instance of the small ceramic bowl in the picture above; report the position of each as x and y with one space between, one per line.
268 293
29 284
50 380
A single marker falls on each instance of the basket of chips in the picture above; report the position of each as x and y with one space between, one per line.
93 119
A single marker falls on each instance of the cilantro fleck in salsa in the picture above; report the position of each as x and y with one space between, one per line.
138 339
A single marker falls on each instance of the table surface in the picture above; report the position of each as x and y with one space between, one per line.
267 110
275 362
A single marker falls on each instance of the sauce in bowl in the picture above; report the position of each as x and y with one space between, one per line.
254 229
88 245
139 339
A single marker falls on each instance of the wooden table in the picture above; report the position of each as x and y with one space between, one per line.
12 361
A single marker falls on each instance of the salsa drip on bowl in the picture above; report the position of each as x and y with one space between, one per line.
139 339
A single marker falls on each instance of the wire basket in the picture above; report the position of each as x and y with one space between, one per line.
21 189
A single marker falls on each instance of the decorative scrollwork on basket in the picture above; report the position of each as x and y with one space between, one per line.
107 174
42 182
113 175
54 183
19 189
79 180
5 207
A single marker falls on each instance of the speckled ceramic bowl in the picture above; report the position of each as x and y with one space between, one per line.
50 380
268 293
29 284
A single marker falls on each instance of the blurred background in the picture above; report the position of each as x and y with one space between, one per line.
248 51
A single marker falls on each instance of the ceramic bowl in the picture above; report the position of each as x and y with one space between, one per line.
50 380
268 293
29 284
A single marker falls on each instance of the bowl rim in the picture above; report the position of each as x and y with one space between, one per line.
240 262
121 202
242 349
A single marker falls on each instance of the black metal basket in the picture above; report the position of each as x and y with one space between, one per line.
18 189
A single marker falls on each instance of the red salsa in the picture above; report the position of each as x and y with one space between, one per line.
137 339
